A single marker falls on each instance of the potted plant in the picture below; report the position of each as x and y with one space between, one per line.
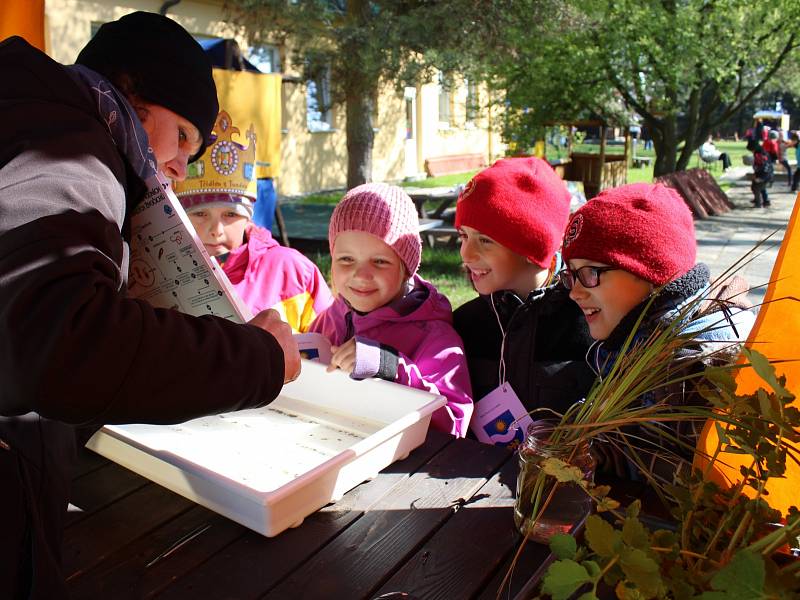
723 540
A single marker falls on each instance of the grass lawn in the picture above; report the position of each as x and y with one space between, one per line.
442 265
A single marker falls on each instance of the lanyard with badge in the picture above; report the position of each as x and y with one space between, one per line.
499 418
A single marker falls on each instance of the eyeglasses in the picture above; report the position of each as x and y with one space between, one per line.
588 276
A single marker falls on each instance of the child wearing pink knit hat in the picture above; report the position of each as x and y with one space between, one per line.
525 340
386 321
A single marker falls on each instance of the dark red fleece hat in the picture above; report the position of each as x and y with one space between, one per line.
643 228
520 203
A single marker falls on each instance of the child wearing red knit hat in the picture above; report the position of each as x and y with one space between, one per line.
525 340
386 321
629 243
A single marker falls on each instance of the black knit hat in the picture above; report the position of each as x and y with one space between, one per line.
166 65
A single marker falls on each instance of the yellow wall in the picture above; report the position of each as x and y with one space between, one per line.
310 161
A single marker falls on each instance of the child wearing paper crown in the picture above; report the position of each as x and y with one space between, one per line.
218 195
631 242
387 321
522 333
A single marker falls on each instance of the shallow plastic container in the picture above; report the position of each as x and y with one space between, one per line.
269 468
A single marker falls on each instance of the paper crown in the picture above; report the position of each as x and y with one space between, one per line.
226 167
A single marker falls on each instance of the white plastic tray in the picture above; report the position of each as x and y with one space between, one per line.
269 468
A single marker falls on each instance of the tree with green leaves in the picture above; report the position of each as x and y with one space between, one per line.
683 66
363 44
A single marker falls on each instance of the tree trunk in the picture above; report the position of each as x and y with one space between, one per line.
360 138
665 142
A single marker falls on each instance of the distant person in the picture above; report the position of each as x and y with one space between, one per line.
709 153
220 204
763 171
78 143
794 142
387 321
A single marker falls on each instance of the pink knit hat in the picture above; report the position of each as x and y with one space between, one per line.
643 228
386 212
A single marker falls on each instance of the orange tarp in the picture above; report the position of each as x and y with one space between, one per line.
776 334
24 18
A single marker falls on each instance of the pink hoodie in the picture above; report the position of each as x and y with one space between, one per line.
268 275
431 354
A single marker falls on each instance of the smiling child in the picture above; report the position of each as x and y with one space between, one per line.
387 321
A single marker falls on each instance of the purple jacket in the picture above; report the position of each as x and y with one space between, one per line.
268 275
431 354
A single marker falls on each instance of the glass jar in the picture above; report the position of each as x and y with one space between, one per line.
569 503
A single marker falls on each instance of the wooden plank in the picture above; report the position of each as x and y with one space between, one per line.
357 562
696 206
241 566
436 572
147 565
711 188
100 488
89 541
86 462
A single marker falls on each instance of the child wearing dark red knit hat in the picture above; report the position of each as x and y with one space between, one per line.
629 243
386 321
525 340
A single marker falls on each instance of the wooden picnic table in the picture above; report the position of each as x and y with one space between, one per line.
437 525
445 198
309 222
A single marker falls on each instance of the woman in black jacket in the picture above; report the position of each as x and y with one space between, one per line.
76 147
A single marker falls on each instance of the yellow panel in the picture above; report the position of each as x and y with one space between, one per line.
24 18
775 334
255 98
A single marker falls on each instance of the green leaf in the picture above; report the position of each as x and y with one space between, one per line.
634 534
633 509
741 579
606 504
563 546
641 570
592 568
766 371
602 537
587 596
563 578
562 471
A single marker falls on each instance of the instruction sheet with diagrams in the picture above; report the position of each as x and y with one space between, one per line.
169 266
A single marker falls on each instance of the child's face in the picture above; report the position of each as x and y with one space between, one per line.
493 267
220 229
366 271
605 305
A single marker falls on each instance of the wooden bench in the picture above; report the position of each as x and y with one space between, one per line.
641 161
454 163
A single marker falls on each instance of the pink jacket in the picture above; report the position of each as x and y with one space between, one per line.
268 275
431 354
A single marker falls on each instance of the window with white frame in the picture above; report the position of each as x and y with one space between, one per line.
318 103
266 58
472 103
445 101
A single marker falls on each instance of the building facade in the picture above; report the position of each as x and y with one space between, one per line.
412 128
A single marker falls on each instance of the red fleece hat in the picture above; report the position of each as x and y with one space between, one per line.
643 228
520 203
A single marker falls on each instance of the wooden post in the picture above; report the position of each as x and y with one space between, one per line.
602 157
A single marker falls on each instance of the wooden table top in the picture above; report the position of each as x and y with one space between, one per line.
437 525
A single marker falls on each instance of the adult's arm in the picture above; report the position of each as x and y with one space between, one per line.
74 347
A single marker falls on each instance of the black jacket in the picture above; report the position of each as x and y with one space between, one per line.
74 349
545 352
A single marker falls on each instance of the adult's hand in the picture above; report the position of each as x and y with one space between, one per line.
270 321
